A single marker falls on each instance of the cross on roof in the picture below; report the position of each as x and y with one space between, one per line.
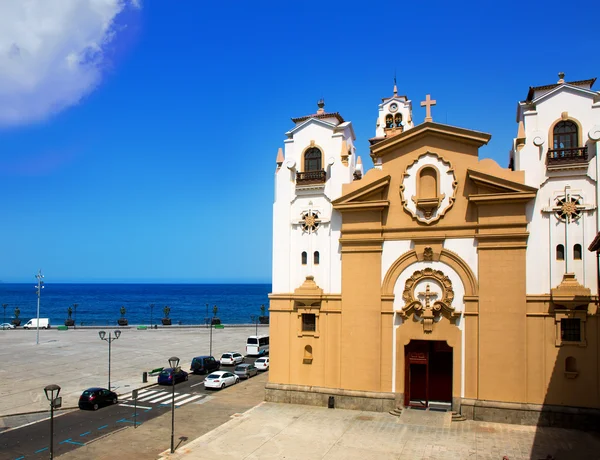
427 103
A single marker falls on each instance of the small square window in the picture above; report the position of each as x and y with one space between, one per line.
570 329
309 322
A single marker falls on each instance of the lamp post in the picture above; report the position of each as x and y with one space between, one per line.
215 310
38 291
151 312
206 317
254 319
75 305
110 340
4 305
52 392
173 363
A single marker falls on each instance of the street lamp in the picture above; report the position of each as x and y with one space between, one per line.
173 363
38 291
52 392
215 310
254 319
75 305
110 340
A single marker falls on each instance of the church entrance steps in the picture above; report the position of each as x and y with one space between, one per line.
396 412
456 417
425 417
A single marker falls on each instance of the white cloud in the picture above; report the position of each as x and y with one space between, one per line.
51 53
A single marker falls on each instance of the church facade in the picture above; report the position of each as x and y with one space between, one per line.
439 279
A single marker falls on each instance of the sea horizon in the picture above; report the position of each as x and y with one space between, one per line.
100 303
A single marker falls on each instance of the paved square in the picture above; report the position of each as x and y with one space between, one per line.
285 431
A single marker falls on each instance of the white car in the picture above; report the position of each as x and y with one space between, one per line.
220 379
7 326
231 358
262 364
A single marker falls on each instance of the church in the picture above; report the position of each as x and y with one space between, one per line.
439 279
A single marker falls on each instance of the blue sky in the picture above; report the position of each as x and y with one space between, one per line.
138 141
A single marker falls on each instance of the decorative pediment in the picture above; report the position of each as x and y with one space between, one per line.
495 188
368 196
428 293
309 293
570 293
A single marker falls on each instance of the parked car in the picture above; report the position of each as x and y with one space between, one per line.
220 379
231 358
7 326
262 364
245 371
166 376
204 365
94 398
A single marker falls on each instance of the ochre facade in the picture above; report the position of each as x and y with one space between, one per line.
433 305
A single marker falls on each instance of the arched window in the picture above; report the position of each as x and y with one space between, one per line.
560 252
389 121
312 160
304 258
577 252
316 258
398 120
565 135
428 183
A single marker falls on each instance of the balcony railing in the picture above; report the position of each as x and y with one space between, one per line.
570 155
311 177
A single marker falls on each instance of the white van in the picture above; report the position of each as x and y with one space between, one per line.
33 323
257 345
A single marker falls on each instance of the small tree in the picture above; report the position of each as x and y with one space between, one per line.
17 321
122 321
69 312
166 320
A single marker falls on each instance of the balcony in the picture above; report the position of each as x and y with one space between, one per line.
558 157
311 177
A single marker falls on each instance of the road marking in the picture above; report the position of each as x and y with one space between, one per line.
166 396
41 450
181 403
72 442
124 420
134 406
196 384
20 458
151 395
85 434
102 427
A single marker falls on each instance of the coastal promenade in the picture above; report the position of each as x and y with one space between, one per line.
77 359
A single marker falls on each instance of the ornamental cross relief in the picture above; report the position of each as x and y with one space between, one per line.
427 310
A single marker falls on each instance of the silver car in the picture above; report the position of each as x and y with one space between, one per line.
245 371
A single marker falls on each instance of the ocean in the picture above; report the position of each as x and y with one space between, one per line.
100 304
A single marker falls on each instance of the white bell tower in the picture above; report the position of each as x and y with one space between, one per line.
319 158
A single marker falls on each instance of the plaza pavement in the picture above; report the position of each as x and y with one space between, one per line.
238 425
77 359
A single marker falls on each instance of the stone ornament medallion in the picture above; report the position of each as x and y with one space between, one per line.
428 188
429 294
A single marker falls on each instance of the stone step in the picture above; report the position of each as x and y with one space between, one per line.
396 412
456 417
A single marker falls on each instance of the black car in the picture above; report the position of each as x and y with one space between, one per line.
94 398
167 375
204 365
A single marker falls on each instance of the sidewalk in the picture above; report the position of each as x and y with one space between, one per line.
151 438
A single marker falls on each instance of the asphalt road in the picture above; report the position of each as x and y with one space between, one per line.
80 427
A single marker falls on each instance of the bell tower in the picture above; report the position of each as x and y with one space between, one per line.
318 158
395 115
